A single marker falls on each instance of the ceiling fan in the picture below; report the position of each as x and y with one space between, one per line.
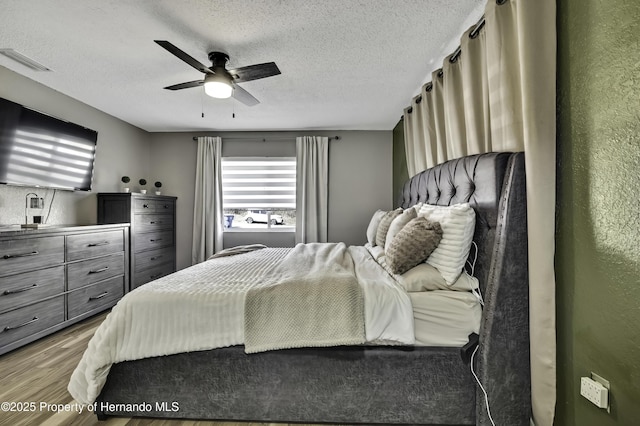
220 82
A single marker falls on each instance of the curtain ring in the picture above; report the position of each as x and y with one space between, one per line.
410 110
429 87
418 99
500 2
440 73
456 54
476 31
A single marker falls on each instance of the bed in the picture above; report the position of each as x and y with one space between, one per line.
367 383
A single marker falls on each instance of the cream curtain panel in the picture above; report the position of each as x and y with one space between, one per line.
499 95
312 171
207 209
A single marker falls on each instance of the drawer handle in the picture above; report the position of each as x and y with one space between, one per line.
101 243
157 239
145 206
11 256
157 257
19 290
156 222
9 328
100 296
97 271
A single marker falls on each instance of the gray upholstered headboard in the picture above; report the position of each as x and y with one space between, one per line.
495 185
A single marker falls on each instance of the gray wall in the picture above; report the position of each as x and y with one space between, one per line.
360 169
122 149
360 179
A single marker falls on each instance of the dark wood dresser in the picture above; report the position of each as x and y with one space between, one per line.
53 277
153 231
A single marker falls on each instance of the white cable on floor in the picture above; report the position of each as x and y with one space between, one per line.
486 397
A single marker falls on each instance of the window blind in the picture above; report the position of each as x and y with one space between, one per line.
259 183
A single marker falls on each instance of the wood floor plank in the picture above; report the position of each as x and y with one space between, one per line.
39 373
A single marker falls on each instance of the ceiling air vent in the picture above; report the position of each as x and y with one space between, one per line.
19 57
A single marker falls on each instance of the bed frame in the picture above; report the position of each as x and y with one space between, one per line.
368 384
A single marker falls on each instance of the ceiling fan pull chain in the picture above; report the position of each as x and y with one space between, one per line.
233 114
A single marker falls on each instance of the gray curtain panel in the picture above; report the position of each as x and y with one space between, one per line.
312 163
207 208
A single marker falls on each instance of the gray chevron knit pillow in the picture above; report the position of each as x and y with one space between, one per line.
383 226
413 244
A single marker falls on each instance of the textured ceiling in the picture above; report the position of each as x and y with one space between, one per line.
345 64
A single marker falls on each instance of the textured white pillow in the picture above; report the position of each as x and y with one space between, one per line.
458 225
398 223
372 229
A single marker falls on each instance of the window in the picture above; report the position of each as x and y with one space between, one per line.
259 194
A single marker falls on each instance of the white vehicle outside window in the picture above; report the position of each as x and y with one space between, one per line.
263 216
259 193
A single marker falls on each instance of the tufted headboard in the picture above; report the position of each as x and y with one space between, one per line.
475 179
495 186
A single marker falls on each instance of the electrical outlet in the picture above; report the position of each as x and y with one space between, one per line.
594 392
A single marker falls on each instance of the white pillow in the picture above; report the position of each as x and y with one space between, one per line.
375 251
398 223
458 225
425 277
372 229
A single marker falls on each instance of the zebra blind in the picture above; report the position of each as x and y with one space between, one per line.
259 183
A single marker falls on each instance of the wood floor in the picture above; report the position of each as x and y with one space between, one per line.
40 371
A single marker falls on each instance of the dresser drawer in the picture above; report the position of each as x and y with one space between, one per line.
144 205
96 297
83 246
152 222
18 290
87 272
31 253
24 322
153 258
152 205
143 277
165 206
153 240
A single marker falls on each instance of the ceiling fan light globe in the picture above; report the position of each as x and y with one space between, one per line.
218 89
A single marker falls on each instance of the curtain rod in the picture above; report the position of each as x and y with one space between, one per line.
337 138
473 34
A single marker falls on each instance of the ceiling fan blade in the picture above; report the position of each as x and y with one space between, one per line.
184 56
243 96
186 85
254 72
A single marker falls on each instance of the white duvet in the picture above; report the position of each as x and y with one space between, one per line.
202 307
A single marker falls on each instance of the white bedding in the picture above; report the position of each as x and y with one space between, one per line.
202 307
445 317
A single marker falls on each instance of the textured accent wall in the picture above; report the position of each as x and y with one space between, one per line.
598 238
